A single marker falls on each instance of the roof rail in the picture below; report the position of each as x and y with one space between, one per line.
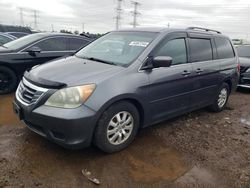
203 29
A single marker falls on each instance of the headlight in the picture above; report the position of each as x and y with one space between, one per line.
71 97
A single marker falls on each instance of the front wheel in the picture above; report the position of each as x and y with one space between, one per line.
221 99
8 80
117 127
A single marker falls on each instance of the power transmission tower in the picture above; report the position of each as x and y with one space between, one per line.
21 17
118 14
35 19
135 13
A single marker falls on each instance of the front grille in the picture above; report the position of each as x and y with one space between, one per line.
245 81
29 93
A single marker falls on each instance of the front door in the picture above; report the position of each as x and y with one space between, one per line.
170 87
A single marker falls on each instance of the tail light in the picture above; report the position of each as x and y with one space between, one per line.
238 68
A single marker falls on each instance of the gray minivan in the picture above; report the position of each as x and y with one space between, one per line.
124 81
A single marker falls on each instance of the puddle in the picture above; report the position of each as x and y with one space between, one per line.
146 161
7 116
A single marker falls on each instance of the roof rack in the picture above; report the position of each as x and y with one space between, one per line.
204 29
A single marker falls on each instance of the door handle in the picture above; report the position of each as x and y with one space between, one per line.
186 73
199 70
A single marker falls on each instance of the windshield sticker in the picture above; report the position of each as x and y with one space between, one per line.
139 43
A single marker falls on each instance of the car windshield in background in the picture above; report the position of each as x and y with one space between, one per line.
119 48
19 43
244 51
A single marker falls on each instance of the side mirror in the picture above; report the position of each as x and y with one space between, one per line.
33 50
162 61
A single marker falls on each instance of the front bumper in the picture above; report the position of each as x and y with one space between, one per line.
70 128
244 81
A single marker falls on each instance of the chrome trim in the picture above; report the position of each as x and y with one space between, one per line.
244 86
32 86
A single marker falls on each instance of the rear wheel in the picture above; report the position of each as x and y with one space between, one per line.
117 127
8 80
221 99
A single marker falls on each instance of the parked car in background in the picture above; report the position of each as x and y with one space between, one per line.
5 38
244 54
12 28
28 51
17 34
103 95
244 51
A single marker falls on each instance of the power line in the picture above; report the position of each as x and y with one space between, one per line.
118 14
135 13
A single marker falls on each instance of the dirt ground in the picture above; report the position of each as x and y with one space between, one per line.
201 149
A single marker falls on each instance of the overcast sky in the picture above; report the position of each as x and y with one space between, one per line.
232 17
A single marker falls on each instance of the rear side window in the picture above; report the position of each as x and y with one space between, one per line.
200 49
53 44
224 48
176 49
76 43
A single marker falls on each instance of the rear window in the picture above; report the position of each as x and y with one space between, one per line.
200 49
224 48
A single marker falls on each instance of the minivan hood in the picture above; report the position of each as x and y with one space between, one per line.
72 71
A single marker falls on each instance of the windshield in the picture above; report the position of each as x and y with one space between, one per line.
19 43
119 48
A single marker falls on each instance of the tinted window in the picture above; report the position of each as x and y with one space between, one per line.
224 48
53 44
201 50
76 43
176 49
244 51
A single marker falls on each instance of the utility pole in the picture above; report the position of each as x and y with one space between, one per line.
135 13
52 28
21 17
35 19
118 14
83 27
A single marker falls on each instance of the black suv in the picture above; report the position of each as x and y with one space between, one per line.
22 54
124 81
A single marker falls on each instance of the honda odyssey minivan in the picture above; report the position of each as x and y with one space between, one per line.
124 81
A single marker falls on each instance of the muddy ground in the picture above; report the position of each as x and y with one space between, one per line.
201 149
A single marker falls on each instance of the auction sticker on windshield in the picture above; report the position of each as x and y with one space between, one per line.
138 43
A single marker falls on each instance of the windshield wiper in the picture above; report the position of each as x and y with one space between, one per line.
99 60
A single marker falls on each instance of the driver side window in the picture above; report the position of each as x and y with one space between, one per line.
176 49
53 44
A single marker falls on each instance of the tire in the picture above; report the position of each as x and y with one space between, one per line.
221 98
117 140
8 80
